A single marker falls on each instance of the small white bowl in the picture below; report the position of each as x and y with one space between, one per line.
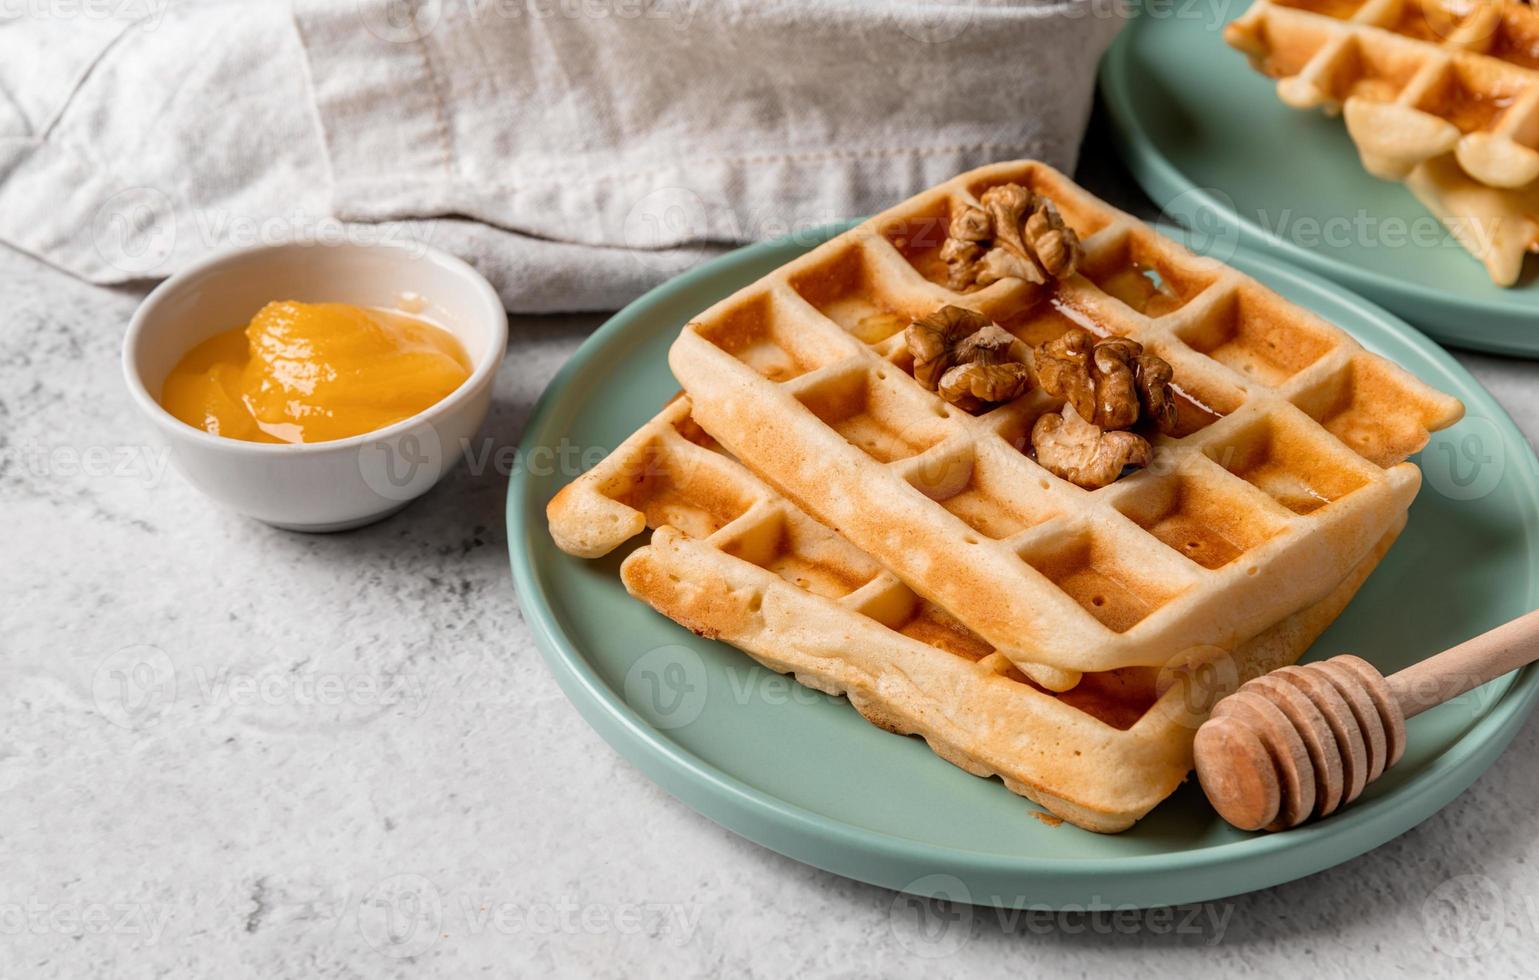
322 486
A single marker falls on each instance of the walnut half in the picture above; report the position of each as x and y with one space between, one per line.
933 341
1082 453
1015 235
970 387
968 360
1109 382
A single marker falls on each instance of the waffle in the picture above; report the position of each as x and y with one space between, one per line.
1285 470
733 560
1496 225
1441 94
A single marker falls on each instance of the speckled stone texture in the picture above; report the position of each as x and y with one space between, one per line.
230 751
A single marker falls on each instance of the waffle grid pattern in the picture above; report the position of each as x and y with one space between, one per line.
1285 471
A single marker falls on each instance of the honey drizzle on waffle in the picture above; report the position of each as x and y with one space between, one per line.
1259 504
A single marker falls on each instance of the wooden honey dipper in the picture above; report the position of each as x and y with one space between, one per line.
1304 741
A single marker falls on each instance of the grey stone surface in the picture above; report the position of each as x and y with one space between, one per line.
363 769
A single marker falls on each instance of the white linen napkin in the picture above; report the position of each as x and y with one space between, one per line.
576 151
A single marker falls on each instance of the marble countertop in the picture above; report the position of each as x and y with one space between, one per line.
227 750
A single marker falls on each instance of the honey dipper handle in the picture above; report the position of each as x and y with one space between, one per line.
1467 666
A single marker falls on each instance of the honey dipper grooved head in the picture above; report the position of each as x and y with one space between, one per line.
1298 743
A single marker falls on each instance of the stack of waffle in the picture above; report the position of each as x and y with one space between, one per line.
1440 94
819 508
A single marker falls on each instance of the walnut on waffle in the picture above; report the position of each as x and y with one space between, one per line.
1284 468
1440 94
733 560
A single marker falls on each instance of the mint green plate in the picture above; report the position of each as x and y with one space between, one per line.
803 774
1207 138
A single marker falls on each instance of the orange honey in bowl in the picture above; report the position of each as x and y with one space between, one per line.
314 372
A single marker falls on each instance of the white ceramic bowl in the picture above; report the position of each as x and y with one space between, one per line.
323 486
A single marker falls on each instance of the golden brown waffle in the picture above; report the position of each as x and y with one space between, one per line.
1442 94
1286 468
733 560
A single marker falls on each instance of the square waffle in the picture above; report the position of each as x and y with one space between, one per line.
733 560
1285 471
1440 94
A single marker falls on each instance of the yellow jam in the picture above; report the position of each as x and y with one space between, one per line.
313 372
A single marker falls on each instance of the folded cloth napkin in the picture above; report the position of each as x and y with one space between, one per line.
576 151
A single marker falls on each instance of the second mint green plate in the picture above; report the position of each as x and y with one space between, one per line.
802 773
1207 138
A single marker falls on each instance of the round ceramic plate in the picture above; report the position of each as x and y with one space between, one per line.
1207 138
802 773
